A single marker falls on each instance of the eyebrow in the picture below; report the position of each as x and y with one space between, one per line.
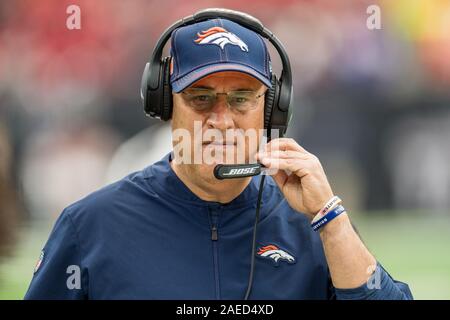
211 88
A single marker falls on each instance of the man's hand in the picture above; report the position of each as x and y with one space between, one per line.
300 175
307 190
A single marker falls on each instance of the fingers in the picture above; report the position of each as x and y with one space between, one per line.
282 154
284 144
298 166
287 155
271 159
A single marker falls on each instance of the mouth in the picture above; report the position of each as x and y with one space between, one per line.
222 152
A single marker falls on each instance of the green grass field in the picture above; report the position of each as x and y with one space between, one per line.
414 248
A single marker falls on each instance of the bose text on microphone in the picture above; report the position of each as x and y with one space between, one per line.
231 171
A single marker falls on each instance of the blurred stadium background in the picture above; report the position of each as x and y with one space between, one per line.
373 105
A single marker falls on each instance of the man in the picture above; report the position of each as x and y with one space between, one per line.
174 231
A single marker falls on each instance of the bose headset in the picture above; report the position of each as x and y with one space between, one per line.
156 91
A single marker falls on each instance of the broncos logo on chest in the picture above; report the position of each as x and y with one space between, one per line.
220 37
275 254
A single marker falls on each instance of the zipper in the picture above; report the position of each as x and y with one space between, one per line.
214 220
214 235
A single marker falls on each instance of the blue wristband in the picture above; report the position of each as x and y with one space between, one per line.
327 218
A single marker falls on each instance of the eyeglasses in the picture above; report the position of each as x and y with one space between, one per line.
203 100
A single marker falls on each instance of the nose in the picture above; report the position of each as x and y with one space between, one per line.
220 117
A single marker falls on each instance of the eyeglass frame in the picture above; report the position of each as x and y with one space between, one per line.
216 94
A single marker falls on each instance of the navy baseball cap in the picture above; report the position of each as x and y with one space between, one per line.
217 45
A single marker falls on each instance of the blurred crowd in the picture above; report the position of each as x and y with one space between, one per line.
373 105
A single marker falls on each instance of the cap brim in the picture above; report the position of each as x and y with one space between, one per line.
184 82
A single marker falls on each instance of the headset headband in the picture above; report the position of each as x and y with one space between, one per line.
243 19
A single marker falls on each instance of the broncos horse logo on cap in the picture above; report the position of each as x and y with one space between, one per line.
275 254
221 37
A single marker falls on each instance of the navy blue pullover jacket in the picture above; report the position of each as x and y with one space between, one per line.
148 236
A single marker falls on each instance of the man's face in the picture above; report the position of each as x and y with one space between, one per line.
219 127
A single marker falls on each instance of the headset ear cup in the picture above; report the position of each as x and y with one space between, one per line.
166 107
270 98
